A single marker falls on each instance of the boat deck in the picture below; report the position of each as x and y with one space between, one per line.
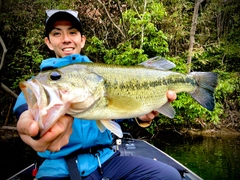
129 147
135 147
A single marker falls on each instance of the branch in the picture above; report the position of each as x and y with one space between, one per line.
142 36
4 52
1 65
111 18
3 86
121 13
9 127
142 32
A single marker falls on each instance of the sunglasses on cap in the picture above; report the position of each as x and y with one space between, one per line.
53 11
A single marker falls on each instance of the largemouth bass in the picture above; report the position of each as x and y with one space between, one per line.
102 92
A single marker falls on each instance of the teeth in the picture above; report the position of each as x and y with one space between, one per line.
67 49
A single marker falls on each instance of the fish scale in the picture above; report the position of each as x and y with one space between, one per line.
146 86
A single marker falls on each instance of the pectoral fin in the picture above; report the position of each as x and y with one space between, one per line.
110 125
167 110
123 103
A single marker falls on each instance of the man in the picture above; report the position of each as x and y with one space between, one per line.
80 140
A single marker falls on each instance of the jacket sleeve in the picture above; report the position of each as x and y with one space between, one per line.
20 105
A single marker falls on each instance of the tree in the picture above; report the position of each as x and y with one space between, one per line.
128 32
192 33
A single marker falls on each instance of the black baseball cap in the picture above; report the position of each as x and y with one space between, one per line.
54 15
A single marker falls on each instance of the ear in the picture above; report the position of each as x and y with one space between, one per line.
48 43
83 40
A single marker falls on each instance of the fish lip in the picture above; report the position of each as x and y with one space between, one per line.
27 87
32 90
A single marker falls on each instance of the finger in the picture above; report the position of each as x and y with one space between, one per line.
37 145
47 139
61 141
26 124
155 113
144 118
58 128
63 138
53 139
147 117
171 95
53 132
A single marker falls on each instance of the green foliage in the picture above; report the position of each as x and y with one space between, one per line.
129 32
128 55
22 27
143 37
217 48
96 49
228 92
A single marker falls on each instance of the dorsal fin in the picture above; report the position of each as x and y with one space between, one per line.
158 63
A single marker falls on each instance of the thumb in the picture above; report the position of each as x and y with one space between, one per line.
27 125
171 95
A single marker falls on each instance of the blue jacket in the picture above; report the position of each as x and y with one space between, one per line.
85 135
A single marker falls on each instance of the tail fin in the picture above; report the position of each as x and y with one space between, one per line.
204 94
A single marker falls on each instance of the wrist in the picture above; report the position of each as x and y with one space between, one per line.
143 124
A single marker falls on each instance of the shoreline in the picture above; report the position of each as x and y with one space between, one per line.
8 132
223 132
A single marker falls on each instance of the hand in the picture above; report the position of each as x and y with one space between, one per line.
53 139
171 95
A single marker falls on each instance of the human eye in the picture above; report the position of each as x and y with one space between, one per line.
56 34
74 32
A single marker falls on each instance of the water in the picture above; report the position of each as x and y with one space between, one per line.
212 158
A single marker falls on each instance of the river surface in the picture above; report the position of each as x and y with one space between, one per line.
212 158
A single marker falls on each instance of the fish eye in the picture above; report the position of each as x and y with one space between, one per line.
55 75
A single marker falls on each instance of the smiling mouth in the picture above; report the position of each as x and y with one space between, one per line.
66 50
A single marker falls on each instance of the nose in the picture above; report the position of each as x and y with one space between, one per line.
66 38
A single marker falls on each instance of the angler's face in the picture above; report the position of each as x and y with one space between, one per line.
65 40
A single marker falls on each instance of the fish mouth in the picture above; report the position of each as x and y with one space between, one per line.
44 102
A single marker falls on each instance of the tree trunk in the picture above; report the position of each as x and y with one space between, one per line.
192 34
